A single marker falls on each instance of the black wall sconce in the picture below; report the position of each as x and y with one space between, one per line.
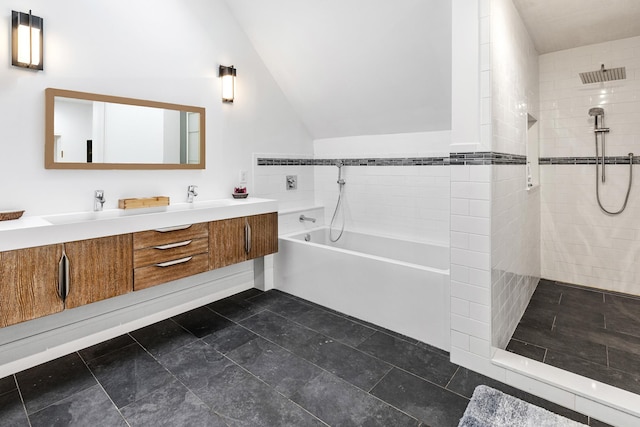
26 40
228 77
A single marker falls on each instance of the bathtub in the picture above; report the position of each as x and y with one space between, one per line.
397 284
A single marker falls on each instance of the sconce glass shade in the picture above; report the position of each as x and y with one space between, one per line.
228 77
26 40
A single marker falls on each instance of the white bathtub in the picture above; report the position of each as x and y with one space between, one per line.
397 284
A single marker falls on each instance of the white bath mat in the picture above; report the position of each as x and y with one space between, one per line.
492 408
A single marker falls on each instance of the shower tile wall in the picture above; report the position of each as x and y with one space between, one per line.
471 221
580 244
515 212
470 264
270 182
402 201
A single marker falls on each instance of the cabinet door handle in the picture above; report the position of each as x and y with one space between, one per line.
173 245
63 277
174 262
247 237
176 228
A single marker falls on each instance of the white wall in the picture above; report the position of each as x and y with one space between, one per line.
271 181
410 202
172 55
515 212
357 67
580 243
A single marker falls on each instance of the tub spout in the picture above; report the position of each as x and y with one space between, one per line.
306 218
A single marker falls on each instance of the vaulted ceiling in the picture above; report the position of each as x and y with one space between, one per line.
363 67
356 67
563 24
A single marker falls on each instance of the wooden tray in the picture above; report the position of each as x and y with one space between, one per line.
8 216
144 202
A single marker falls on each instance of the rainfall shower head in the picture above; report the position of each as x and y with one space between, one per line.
603 75
596 111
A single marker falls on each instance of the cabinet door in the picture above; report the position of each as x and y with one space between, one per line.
226 242
99 269
264 234
29 284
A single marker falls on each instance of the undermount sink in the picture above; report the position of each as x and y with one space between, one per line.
32 231
70 218
204 204
76 217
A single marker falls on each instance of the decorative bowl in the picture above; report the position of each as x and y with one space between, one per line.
240 195
9 215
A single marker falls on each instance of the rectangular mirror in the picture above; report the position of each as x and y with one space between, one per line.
91 131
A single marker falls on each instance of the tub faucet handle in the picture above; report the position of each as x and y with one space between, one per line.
306 218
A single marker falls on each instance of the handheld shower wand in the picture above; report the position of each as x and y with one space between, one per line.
598 128
339 164
339 207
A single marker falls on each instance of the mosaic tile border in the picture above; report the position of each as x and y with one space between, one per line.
470 158
381 161
487 158
609 160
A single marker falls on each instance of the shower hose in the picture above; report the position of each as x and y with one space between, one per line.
626 198
335 215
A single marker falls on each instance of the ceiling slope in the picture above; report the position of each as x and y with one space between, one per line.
356 67
557 25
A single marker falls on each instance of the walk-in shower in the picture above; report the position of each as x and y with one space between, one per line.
339 212
600 129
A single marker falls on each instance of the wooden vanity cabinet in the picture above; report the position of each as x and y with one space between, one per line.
240 239
39 281
98 269
29 284
264 235
167 254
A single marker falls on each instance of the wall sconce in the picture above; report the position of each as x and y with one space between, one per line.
26 40
228 76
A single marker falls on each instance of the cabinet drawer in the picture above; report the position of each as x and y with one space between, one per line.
145 239
169 251
154 274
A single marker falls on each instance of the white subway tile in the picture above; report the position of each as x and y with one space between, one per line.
460 206
459 240
460 340
480 347
471 327
471 224
460 307
476 260
470 293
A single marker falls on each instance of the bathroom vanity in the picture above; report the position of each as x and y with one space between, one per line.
93 271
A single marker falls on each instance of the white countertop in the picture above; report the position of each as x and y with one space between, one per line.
30 231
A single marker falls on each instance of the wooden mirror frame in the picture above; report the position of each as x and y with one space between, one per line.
49 145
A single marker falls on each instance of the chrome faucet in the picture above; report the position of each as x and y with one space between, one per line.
98 200
306 218
192 192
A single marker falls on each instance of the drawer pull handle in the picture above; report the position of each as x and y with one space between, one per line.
174 262
247 237
173 245
176 228
63 277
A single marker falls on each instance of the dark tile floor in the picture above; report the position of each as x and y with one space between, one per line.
254 359
591 333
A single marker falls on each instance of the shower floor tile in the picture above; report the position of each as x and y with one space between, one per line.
593 333
263 359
